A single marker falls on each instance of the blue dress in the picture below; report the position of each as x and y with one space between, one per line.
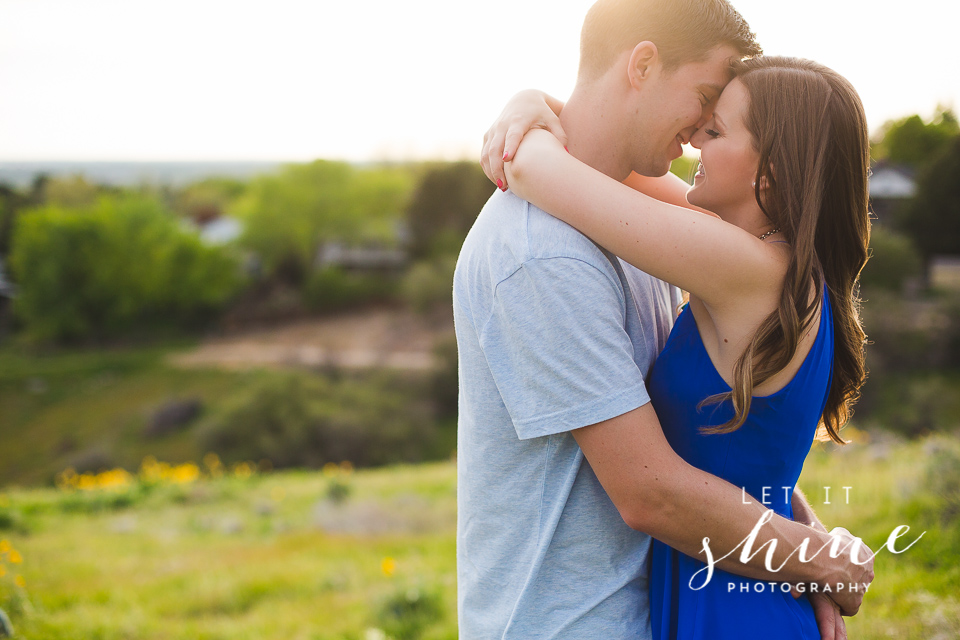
762 457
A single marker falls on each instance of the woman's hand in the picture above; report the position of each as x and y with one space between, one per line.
538 152
527 110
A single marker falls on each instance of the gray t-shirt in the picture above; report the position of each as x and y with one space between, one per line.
552 336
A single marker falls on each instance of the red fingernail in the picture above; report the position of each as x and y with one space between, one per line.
506 156
567 150
499 184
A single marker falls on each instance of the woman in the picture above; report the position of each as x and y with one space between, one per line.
770 346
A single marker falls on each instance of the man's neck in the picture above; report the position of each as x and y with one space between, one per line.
594 134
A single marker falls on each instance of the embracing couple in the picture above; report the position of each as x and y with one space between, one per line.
602 436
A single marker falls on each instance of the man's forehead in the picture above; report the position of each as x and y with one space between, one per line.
716 72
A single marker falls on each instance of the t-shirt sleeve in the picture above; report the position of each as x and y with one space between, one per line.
557 347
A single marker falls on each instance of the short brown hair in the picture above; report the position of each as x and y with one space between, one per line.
683 30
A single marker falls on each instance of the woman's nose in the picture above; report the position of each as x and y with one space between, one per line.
697 138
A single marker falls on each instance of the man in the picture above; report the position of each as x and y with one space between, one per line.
563 470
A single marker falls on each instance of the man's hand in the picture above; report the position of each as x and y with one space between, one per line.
857 572
829 621
527 110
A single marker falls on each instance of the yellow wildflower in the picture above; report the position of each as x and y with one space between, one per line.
4 546
388 566
19 581
212 461
330 469
150 470
3 571
243 469
15 556
184 473
113 479
87 482
346 467
67 478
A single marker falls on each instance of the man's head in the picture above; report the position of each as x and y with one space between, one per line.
661 65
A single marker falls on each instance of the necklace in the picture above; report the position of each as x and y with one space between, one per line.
769 233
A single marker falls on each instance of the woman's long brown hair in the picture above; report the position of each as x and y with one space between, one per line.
809 127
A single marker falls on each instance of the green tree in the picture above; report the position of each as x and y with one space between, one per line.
444 207
207 199
934 215
73 191
288 215
893 260
10 203
913 142
119 265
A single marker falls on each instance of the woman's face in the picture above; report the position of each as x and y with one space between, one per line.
728 158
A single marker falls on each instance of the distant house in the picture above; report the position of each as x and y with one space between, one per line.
362 258
945 272
890 186
7 288
367 257
221 230
8 291
215 229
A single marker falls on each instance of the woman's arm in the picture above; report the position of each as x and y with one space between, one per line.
715 261
530 109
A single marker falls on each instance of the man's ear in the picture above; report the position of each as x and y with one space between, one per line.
644 59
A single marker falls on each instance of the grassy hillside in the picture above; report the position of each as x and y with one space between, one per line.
92 407
212 551
291 555
342 554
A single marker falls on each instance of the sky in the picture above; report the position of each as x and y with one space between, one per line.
295 80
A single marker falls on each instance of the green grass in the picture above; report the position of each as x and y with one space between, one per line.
273 557
266 557
914 594
55 409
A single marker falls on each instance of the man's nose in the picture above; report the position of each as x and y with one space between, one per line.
705 114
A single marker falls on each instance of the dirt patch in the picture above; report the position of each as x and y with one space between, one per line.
389 338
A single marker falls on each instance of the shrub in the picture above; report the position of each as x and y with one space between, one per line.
107 269
408 612
910 335
893 261
943 476
445 385
429 284
333 289
307 421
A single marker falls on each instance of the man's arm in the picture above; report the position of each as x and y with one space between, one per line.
666 188
803 512
659 493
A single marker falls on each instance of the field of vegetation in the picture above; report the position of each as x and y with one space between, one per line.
210 550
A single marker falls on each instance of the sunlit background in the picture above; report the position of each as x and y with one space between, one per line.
297 80
228 370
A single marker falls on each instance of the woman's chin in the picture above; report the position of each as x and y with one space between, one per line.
694 197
